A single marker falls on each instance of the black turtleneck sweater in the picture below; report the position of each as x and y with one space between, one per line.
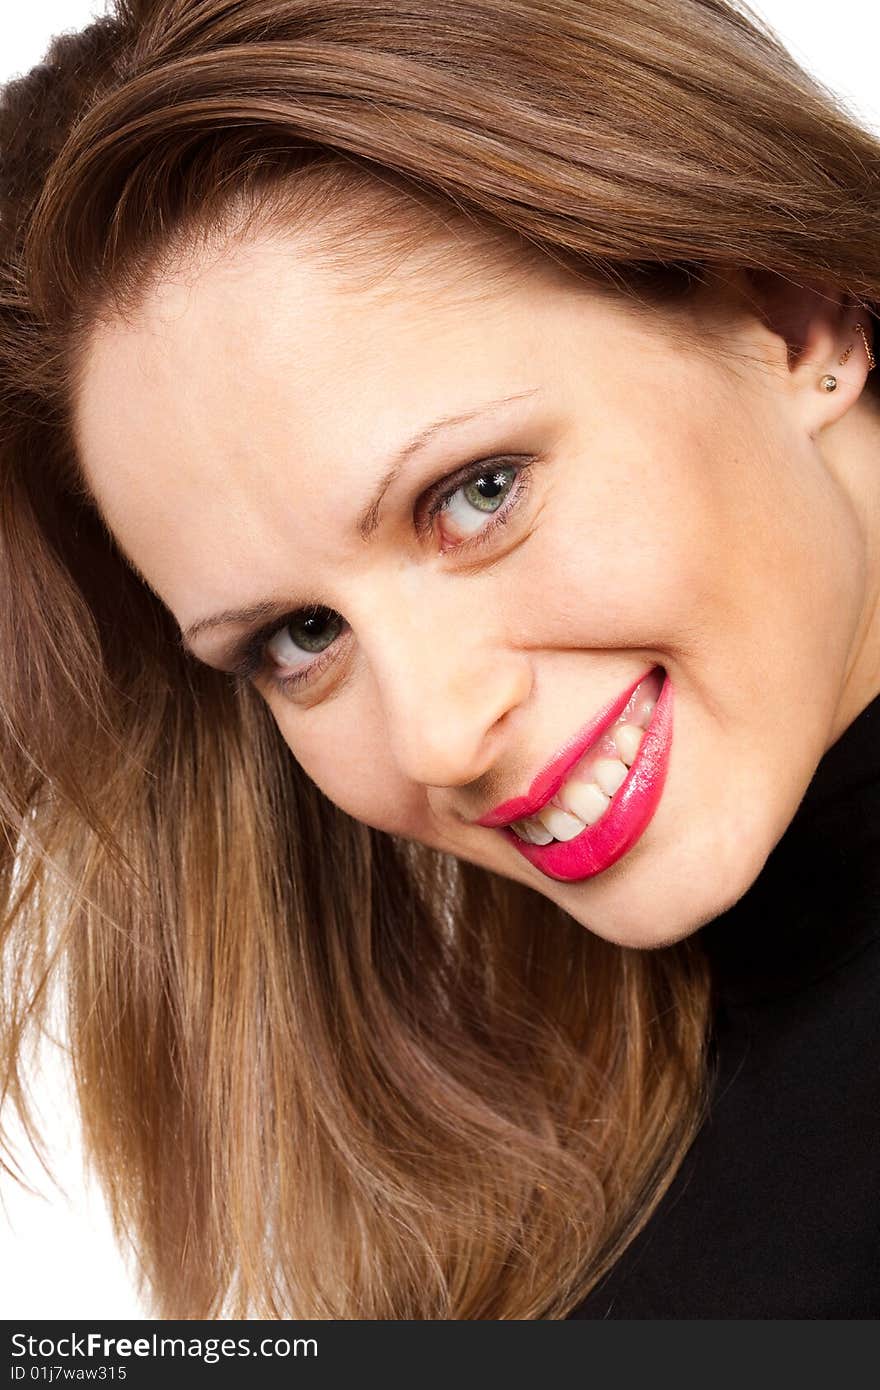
775 1211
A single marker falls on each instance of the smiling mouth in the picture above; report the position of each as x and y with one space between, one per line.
595 801
591 784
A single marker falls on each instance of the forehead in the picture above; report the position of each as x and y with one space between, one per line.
265 356
233 426
274 316
266 348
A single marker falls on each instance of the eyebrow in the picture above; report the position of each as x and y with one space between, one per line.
368 521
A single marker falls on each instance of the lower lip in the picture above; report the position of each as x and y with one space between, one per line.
599 846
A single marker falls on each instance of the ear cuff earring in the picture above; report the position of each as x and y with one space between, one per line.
829 382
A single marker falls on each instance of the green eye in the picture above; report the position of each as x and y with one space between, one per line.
489 487
489 490
315 629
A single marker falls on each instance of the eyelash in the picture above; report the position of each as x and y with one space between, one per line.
250 660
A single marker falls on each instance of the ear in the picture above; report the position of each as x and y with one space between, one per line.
817 337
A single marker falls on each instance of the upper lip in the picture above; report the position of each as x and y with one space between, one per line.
548 781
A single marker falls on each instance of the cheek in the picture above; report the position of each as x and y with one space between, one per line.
633 551
682 535
365 782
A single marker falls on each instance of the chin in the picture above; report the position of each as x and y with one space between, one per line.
652 936
638 911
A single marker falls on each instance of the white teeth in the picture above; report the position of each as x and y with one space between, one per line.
586 800
561 824
586 797
609 773
627 738
532 832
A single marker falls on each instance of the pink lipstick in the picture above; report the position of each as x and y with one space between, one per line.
632 804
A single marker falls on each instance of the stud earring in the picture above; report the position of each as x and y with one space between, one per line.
829 383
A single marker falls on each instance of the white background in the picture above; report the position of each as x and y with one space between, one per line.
57 1256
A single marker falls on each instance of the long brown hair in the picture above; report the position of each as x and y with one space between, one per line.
323 1071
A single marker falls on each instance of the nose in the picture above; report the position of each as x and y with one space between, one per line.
447 684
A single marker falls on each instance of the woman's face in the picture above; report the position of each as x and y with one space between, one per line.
637 504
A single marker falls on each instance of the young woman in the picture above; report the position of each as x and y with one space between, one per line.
440 540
